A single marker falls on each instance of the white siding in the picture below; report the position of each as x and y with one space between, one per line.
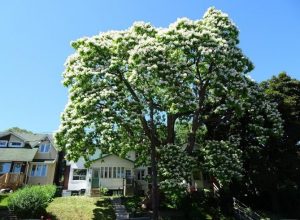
113 161
78 184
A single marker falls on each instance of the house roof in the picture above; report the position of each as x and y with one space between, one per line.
17 154
30 138
107 155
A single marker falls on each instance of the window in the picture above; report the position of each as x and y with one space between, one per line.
140 174
105 172
110 173
3 143
44 148
118 172
38 170
114 172
17 167
79 174
4 167
102 172
15 144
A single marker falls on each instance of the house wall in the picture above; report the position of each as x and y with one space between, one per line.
42 180
14 138
52 154
78 184
113 161
131 155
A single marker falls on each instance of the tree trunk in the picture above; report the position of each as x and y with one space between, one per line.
155 202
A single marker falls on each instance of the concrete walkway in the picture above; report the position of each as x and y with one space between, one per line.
120 210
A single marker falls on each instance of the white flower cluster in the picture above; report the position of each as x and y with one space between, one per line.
222 159
174 168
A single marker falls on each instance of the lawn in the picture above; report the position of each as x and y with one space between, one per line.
81 207
3 201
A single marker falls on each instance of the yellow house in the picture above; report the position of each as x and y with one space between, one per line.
26 158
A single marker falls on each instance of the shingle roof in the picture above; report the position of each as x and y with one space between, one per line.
17 154
31 138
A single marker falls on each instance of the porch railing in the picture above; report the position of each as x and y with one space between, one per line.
11 180
243 212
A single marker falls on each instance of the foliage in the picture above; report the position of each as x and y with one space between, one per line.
222 160
201 205
81 207
272 177
131 89
103 191
285 91
133 205
21 130
3 201
31 201
174 169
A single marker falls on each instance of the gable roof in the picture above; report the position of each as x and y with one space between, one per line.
30 138
107 155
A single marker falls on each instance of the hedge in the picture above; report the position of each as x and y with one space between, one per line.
31 201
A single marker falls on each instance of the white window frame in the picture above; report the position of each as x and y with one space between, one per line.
43 148
18 146
3 143
80 177
35 172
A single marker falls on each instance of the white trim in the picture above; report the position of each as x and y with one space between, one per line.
16 142
79 176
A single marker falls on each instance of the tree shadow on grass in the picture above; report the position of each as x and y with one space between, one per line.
104 210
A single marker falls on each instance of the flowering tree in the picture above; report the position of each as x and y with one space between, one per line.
131 89
174 167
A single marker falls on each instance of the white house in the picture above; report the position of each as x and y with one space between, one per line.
106 171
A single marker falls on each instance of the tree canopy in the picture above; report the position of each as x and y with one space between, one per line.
132 89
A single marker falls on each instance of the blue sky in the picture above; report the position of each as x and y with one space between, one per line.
35 41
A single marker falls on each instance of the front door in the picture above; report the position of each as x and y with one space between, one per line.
95 178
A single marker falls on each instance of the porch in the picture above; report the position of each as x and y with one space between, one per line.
12 180
118 180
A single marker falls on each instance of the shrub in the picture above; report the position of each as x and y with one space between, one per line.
31 201
103 191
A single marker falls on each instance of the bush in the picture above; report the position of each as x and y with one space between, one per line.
104 191
31 201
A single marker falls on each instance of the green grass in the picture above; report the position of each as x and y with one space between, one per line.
3 201
81 207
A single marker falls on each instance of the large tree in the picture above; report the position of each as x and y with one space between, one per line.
271 175
131 89
279 177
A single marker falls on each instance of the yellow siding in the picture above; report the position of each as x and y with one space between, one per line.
49 155
42 180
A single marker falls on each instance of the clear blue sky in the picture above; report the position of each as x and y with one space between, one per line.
35 41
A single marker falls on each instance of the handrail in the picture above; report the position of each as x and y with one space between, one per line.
245 210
